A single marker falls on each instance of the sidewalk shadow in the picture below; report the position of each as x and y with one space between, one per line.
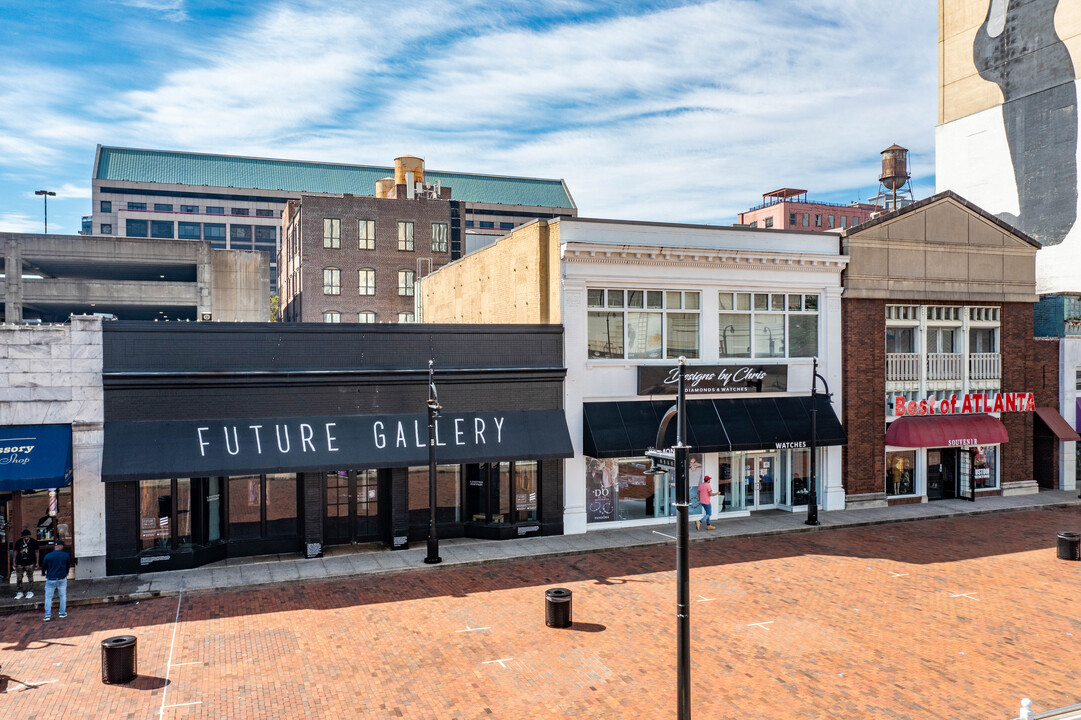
587 627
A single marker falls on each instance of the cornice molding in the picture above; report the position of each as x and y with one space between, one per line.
702 258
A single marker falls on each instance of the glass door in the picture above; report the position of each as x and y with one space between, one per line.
338 513
759 478
367 516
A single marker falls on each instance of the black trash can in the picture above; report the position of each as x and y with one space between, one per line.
557 608
119 660
1069 546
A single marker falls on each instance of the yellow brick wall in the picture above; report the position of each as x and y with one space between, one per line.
515 280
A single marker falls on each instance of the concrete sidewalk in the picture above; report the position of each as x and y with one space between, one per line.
268 570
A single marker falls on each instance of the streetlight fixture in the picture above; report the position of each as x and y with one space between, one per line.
433 412
812 500
45 195
674 459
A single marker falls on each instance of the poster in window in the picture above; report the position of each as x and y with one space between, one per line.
253 491
601 484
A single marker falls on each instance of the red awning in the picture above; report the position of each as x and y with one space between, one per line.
946 431
1057 424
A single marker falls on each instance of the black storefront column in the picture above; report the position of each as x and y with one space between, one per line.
398 494
551 497
312 493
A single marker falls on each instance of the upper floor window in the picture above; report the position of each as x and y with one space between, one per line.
1078 380
900 340
366 316
792 219
239 211
643 324
844 221
106 206
405 234
366 281
106 228
753 223
439 237
332 281
469 223
487 224
405 282
136 206
768 325
983 340
806 219
189 208
161 229
215 210
264 213
769 222
163 207
137 228
830 219
366 229
940 340
406 317
332 316
818 221
332 233
506 226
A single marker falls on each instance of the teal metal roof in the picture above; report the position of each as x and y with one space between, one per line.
230 171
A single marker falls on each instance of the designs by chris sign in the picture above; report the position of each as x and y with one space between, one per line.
964 404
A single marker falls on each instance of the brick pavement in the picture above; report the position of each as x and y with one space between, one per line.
949 618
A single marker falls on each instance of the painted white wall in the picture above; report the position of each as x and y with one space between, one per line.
972 158
615 380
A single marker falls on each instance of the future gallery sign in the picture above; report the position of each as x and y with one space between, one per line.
354 441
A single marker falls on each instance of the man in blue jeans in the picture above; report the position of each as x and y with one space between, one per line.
56 566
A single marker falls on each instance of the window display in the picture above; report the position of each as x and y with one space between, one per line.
899 476
985 467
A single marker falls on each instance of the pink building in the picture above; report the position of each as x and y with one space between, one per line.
789 209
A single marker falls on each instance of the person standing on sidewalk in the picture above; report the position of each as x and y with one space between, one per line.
705 499
26 562
56 566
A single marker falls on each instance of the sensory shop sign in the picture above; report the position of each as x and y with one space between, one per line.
966 404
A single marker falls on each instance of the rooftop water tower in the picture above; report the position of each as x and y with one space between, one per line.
895 180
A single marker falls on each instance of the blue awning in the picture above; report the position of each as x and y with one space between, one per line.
35 457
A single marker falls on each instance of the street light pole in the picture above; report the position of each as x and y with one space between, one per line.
433 408
812 500
683 575
45 194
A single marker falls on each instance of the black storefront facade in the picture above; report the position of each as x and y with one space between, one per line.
228 440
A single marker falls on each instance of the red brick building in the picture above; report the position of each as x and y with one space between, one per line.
789 209
937 322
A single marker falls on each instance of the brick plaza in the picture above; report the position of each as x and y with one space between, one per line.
950 618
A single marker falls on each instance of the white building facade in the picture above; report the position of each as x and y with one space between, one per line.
750 310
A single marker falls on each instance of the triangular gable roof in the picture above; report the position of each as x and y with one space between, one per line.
944 195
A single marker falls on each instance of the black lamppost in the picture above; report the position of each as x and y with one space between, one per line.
812 500
45 194
675 459
433 413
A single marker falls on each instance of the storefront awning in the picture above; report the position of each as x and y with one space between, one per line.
1057 424
35 457
208 448
946 431
627 429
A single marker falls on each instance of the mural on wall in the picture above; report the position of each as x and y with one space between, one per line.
1007 137
1018 49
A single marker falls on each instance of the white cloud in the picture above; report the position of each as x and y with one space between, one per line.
17 222
170 9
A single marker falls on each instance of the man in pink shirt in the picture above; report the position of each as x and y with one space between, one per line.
705 499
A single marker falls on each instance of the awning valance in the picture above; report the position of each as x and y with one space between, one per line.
628 429
206 448
35 457
1057 424
946 431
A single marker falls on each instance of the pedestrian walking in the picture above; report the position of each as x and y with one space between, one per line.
26 562
705 499
56 566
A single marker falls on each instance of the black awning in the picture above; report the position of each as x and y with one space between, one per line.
207 448
627 429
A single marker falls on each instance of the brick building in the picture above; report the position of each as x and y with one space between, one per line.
356 259
937 319
789 209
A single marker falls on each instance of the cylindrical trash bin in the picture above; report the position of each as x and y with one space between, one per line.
119 660
1069 546
557 608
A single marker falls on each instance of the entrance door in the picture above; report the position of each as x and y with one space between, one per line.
942 473
759 478
352 507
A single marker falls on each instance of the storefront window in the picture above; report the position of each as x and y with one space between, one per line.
281 505
801 477
900 479
183 513
985 467
733 492
620 489
213 510
447 494
155 513
245 501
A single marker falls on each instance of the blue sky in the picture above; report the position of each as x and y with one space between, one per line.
670 111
